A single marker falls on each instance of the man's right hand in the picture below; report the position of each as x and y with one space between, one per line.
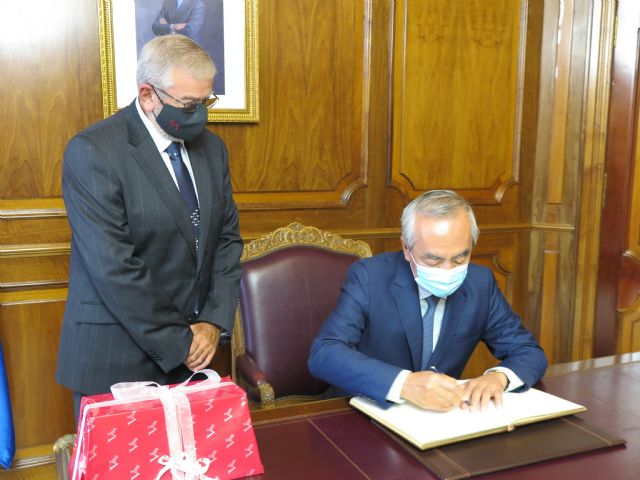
432 391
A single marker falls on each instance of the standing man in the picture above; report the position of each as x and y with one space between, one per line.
180 16
407 322
155 249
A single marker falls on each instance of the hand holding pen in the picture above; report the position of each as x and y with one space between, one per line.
432 390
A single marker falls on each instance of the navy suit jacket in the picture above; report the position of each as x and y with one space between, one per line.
191 12
375 331
135 275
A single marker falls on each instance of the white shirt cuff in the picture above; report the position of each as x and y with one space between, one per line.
514 380
393 395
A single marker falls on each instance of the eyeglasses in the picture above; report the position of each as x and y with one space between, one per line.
190 107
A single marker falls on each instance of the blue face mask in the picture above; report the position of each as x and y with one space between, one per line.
440 281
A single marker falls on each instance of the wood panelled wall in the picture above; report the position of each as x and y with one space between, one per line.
363 104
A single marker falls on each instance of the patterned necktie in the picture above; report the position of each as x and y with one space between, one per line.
185 185
427 330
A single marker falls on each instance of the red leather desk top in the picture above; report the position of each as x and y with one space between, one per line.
344 444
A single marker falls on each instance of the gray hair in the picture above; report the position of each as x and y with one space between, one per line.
435 203
162 54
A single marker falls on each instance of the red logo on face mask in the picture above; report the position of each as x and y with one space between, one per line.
174 124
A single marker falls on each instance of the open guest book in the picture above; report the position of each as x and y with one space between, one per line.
428 429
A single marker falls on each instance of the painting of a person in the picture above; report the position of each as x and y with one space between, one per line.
185 17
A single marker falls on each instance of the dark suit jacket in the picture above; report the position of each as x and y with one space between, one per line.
134 275
191 12
375 330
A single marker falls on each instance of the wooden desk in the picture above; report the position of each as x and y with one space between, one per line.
328 440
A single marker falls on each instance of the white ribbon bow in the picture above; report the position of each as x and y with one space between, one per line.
187 469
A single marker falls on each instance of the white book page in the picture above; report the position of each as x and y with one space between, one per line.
426 428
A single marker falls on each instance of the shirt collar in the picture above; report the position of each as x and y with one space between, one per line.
423 294
159 137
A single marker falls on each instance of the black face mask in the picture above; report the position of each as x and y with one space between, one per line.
178 124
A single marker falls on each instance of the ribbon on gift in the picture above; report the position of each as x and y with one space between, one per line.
191 470
182 461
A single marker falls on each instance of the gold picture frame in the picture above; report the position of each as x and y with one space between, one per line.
123 23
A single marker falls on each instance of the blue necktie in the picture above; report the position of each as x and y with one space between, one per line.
427 330
178 3
185 185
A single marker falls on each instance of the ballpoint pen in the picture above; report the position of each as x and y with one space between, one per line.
434 369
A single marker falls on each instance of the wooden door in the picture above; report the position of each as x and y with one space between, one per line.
617 320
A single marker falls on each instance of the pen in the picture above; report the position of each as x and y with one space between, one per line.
434 369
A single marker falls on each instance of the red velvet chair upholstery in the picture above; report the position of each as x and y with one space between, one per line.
291 279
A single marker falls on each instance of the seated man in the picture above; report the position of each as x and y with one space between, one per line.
407 322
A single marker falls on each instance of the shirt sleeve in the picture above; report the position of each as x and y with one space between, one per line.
514 380
393 395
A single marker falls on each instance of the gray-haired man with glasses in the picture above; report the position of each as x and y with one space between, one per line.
155 244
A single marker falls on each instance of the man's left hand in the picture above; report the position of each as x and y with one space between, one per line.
203 346
480 391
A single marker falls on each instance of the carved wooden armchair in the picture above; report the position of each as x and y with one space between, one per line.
290 283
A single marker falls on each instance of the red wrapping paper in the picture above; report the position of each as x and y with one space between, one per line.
120 439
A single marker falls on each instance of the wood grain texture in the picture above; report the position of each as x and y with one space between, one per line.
34 271
560 101
620 152
549 298
567 62
45 472
54 82
628 317
30 330
457 77
309 150
598 79
51 90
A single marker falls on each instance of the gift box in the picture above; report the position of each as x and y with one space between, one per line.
191 431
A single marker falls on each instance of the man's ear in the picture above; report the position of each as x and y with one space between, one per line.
145 97
405 250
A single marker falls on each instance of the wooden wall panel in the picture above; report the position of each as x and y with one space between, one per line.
30 330
628 335
52 89
597 105
629 303
458 83
309 150
553 281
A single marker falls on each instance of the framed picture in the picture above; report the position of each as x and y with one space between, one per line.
226 29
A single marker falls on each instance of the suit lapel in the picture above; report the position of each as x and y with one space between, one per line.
146 155
405 294
453 313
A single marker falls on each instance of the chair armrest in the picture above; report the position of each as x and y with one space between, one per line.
252 373
255 380
62 452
